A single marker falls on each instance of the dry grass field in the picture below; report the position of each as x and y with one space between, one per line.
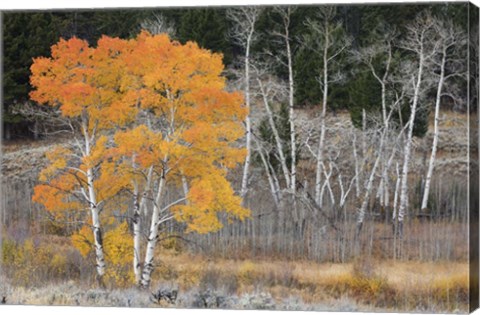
364 284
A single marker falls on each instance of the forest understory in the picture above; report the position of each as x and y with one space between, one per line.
197 281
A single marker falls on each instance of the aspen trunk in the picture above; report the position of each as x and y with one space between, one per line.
291 116
408 148
137 268
271 182
357 171
318 177
248 127
97 231
94 211
139 205
276 136
435 134
153 235
369 186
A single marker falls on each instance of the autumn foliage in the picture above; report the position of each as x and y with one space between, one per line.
141 112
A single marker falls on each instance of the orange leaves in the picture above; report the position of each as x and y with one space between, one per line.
82 79
55 200
147 105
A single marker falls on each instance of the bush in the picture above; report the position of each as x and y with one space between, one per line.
247 273
36 261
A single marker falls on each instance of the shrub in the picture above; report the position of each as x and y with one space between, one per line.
246 273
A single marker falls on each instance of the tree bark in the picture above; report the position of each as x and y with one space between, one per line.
291 115
248 127
276 135
431 164
94 212
408 147
153 235
321 143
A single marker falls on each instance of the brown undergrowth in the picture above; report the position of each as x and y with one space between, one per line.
382 284
387 285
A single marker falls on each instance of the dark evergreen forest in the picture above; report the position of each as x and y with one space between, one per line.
31 34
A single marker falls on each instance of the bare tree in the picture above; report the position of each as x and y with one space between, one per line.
243 33
452 41
324 39
379 157
420 42
269 91
382 49
286 13
159 24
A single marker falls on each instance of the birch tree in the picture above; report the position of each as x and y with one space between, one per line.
158 24
84 84
191 142
270 92
451 42
379 157
243 33
326 40
419 42
378 59
286 14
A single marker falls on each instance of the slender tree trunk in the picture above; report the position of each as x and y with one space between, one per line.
321 143
273 188
408 148
94 212
139 205
36 131
435 134
357 171
276 135
369 186
185 186
153 234
291 115
248 127
137 267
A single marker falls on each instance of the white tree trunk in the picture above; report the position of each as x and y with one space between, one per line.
291 115
395 197
435 134
276 136
357 171
153 234
369 185
408 147
248 127
137 268
273 188
321 143
94 211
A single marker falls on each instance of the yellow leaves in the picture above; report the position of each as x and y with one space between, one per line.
193 124
118 245
58 161
118 249
83 240
208 196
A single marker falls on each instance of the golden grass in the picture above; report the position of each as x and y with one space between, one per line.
395 285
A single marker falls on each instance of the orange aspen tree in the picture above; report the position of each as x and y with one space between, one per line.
84 85
188 143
